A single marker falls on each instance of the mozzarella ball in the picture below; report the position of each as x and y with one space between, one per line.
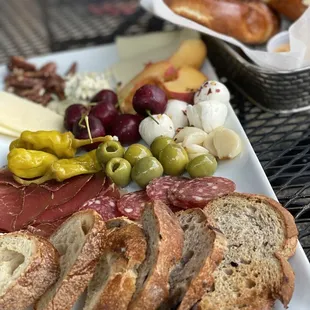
176 110
212 90
149 129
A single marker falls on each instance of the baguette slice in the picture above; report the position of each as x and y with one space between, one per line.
29 265
204 248
255 272
79 240
114 281
165 243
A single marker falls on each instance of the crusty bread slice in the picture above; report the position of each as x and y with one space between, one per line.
165 243
79 240
255 272
114 281
204 248
29 265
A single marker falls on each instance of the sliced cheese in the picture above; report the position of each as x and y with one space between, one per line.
130 47
9 132
135 52
19 114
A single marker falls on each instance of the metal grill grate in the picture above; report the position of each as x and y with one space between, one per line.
282 144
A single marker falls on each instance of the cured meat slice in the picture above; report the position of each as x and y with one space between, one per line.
197 192
158 188
106 206
132 204
90 190
39 198
46 229
44 207
6 178
11 201
110 189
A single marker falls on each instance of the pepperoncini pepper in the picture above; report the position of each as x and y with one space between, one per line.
63 169
29 164
63 145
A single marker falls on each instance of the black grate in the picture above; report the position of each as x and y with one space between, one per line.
282 142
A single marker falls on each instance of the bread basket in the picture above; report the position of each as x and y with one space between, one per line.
275 91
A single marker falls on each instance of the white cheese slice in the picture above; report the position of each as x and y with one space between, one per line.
129 47
135 52
9 132
18 114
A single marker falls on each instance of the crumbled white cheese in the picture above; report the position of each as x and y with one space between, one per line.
86 84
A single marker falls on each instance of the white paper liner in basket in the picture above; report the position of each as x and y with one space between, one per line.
298 57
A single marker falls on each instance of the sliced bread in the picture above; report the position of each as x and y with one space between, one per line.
203 250
261 236
114 280
164 249
79 240
29 265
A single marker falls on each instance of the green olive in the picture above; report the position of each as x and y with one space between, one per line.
135 152
145 170
118 169
202 166
159 144
108 150
174 159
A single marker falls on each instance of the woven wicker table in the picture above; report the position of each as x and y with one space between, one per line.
281 142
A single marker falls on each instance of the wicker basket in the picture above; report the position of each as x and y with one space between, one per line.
281 92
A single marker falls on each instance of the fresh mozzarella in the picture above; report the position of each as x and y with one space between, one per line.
149 129
212 90
207 115
176 110
193 115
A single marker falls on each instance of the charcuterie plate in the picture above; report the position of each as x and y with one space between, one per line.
245 170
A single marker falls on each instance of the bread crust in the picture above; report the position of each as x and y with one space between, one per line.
286 288
156 287
204 278
250 21
292 9
125 243
83 268
40 274
118 292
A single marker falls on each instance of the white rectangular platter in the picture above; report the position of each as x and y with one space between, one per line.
245 170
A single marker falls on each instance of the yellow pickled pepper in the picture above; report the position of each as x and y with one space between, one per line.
63 169
63 145
29 164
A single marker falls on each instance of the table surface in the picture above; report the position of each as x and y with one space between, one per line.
281 142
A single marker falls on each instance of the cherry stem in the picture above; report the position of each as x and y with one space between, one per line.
88 128
148 112
81 120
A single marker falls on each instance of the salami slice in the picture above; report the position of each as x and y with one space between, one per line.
132 204
106 206
158 188
197 192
